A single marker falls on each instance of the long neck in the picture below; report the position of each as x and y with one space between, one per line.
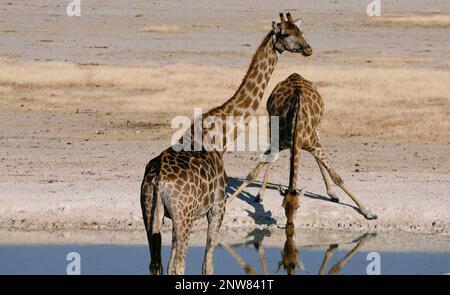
248 96
245 102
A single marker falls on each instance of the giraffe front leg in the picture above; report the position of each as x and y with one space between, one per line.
319 154
330 191
326 259
249 179
215 217
262 190
262 257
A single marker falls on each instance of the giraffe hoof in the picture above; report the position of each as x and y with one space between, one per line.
333 198
370 216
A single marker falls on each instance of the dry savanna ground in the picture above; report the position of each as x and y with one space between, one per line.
428 20
387 103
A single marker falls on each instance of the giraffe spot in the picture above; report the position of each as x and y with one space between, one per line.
255 104
245 103
259 78
261 92
250 85
175 169
255 91
183 174
205 202
171 176
315 108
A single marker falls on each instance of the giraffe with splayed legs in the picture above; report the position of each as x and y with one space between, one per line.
290 256
299 106
187 185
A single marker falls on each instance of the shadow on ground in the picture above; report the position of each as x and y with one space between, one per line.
260 215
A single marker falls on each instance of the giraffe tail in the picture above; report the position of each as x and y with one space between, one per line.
153 213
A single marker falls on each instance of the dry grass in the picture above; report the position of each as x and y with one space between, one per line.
397 103
161 29
418 20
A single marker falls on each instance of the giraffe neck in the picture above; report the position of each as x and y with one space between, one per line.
245 102
248 96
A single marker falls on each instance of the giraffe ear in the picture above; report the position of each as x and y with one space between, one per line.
276 27
301 192
298 22
282 191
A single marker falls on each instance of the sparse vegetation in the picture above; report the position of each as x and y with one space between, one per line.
414 20
412 104
161 29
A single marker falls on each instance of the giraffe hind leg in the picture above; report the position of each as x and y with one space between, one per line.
319 154
182 228
330 192
215 217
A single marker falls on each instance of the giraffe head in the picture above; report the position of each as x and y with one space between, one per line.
289 36
290 259
290 205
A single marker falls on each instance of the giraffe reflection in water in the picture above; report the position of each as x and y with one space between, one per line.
290 255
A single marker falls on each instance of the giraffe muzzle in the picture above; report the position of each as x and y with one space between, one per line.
307 50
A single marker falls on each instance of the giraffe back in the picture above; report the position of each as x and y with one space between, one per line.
192 177
296 95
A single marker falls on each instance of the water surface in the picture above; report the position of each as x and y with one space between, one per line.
134 259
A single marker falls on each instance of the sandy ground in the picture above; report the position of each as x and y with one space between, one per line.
54 179
79 165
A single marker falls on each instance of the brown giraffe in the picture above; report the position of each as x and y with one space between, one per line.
299 107
257 243
336 268
187 185
250 270
290 259
290 205
290 256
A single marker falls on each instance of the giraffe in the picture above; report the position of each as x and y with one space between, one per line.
185 185
257 243
290 259
250 270
299 106
290 256
336 268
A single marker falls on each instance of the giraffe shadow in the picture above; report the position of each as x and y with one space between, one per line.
234 183
259 215
323 198
255 238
